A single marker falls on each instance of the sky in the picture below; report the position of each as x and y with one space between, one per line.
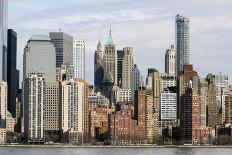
146 25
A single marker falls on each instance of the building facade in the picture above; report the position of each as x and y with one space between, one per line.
182 42
64 48
170 61
79 59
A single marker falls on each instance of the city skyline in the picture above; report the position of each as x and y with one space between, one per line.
84 19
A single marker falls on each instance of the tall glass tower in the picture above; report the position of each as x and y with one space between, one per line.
3 39
182 42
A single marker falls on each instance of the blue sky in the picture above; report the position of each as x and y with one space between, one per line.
146 25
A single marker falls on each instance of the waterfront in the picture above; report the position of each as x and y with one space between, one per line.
113 151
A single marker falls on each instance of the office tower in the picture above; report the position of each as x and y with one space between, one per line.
228 109
3 39
156 85
110 59
122 126
182 43
170 61
34 102
12 71
191 114
127 67
52 112
168 109
97 99
64 48
120 56
40 57
65 72
79 59
3 104
122 95
213 113
203 94
98 68
140 111
136 82
107 87
168 81
75 114
187 79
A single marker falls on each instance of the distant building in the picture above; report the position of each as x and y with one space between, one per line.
120 56
64 48
79 59
182 43
12 80
228 109
65 72
10 123
170 61
168 81
40 57
3 104
97 99
122 95
136 82
34 102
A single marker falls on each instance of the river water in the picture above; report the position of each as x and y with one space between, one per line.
114 151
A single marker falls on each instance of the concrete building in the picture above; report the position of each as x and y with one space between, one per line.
64 48
75 114
40 57
170 61
52 112
97 99
34 101
213 112
203 94
228 109
156 85
10 123
120 56
140 112
127 67
65 72
79 59
149 119
168 109
182 43
98 68
3 104
12 80
122 95
136 82
3 39
110 59
168 81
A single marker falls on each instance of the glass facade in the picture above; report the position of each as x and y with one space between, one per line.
3 39
182 42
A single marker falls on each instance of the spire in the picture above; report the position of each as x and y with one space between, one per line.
110 41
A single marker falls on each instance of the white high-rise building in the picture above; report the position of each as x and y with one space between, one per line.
74 108
3 104
168 80
34 101
79 59
40 57
168 109
170 61
127 67
3 39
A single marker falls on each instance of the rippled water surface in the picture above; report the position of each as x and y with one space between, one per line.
115 151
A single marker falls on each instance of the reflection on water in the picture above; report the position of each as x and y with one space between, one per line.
115 151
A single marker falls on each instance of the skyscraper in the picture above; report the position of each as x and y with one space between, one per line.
3 39
64 48
120 56
98 68
170 61
135 78
110 58
182 42
12 71
127 67
39 56
79 59
3 104
34 108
